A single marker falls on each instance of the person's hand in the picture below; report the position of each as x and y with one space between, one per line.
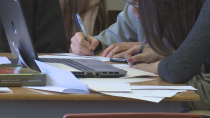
80 46
120 48
152 67
147 55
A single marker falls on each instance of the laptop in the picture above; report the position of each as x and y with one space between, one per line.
22 47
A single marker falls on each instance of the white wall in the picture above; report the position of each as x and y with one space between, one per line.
116 5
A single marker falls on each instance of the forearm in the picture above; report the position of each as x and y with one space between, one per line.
187 61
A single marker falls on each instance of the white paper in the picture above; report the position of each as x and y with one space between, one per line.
142 87
89 81
111 87
55 89
64 67
5 90
84 57
131 72
135 96
157 93
4 60
61 78
75 57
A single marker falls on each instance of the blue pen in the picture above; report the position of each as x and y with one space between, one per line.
80 24
141 48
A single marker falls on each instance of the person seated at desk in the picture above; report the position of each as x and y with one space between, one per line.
185 56
119 37
92 12
45 24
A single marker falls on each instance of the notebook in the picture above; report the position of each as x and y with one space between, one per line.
23 49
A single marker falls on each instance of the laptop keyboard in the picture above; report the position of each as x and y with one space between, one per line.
67 62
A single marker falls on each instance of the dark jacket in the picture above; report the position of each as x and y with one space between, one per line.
45 24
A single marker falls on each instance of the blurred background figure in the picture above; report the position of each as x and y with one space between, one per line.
92 12
45 24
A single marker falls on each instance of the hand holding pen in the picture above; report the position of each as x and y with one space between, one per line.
80 24
132 55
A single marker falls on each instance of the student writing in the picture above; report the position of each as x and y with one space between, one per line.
184 24
119 37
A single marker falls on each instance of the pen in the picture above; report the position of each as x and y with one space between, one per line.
141 48
80 24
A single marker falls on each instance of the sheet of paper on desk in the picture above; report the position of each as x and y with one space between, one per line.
76 57
89 81
5 90
110 87
62 78
147 95
135 96
4 60
131 72
157 93
55 89
142 87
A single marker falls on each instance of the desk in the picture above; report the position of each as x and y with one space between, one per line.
29 103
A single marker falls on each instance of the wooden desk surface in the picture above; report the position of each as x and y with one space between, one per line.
21 93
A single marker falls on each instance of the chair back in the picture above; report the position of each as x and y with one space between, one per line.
134 115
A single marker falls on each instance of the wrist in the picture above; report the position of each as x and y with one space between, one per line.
155 67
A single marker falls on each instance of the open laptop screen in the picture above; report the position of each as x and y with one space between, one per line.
17 32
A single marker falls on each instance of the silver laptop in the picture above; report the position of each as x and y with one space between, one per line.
23 49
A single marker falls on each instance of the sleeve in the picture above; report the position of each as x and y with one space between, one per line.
192 54
126 29
46 27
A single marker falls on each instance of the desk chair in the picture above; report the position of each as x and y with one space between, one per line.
205 114
134 115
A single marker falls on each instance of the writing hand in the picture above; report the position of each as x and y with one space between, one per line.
120 48
147 55
152 67
80 46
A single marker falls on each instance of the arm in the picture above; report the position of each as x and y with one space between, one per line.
126 29
45 25
188 59
120 37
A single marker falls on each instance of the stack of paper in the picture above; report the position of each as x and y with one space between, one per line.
147 93
4 60
59 80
